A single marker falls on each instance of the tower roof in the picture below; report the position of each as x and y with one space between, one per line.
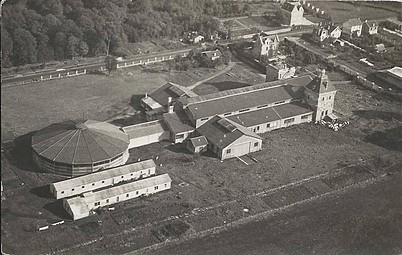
321 84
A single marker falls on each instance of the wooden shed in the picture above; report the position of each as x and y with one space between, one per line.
197 144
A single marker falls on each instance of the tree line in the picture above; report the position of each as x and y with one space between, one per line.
38 31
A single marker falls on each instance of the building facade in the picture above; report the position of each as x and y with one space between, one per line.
369 28
102 179
293 13
82 206
352 28
279 71
265 45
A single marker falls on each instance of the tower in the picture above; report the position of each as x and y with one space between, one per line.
321 96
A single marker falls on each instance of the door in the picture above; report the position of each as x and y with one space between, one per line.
241 149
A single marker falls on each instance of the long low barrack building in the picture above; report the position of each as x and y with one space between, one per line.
81 207
78 185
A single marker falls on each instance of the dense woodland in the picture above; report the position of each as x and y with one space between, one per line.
37 31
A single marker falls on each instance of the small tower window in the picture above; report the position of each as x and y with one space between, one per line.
329 97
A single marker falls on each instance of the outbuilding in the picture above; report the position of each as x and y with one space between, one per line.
197 144
228 139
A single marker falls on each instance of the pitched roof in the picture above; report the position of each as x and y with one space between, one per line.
172 90
370 23
247 99
223 132
199 141
319 87
212 53
253 118
265 115
102 175
289 6
177 122
290 110
80 141
80 204
352 22
396 71
145 129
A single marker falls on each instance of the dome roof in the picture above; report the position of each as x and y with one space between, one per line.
80 142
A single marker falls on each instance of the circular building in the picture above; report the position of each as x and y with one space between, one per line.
79 147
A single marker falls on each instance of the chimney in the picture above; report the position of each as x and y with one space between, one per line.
146 95
170 106
169 101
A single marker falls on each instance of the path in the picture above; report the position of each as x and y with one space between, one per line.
224 70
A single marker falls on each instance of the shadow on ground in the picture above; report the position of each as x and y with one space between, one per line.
42 191
132 120
389 139
225 85
386 116
135 102
56 208
21 154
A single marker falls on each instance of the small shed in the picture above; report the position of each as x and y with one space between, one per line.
197 144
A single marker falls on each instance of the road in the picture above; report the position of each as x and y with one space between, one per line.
363 220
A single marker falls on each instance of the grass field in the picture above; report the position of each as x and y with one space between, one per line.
342 11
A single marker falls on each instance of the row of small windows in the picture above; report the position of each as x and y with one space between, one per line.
93 184
127 195
228 151
324 98
70 166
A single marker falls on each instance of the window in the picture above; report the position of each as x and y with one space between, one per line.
127 195
103 181
149 171
204 119
107 200
262 106
62 192
322 99
305 116
256 144
227 114
281 102
228 151
72 189
156 187
97 203
326 112
132 174
93 184
322 113
329 97
165 185
83 187
289 121
137 192
122 177
268 125
244 110
258 128
180 136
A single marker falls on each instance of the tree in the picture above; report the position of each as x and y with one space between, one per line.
72 46
110 63
24 50
6 48
83 49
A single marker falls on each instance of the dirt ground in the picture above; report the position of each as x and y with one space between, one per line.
205 191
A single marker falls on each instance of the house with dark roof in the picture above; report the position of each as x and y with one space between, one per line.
324 31
293 13
370 28
352 28
159 101
179 125
212 54
227 139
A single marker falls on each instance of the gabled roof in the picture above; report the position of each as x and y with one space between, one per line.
289 6
177 122
321 87
265 38
80 204
219 135
212 53
396 71
103 175
247 97
265 115
172 90
370 23
334 27
199 141
352 22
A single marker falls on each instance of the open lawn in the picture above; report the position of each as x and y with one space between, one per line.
342 11
239 76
